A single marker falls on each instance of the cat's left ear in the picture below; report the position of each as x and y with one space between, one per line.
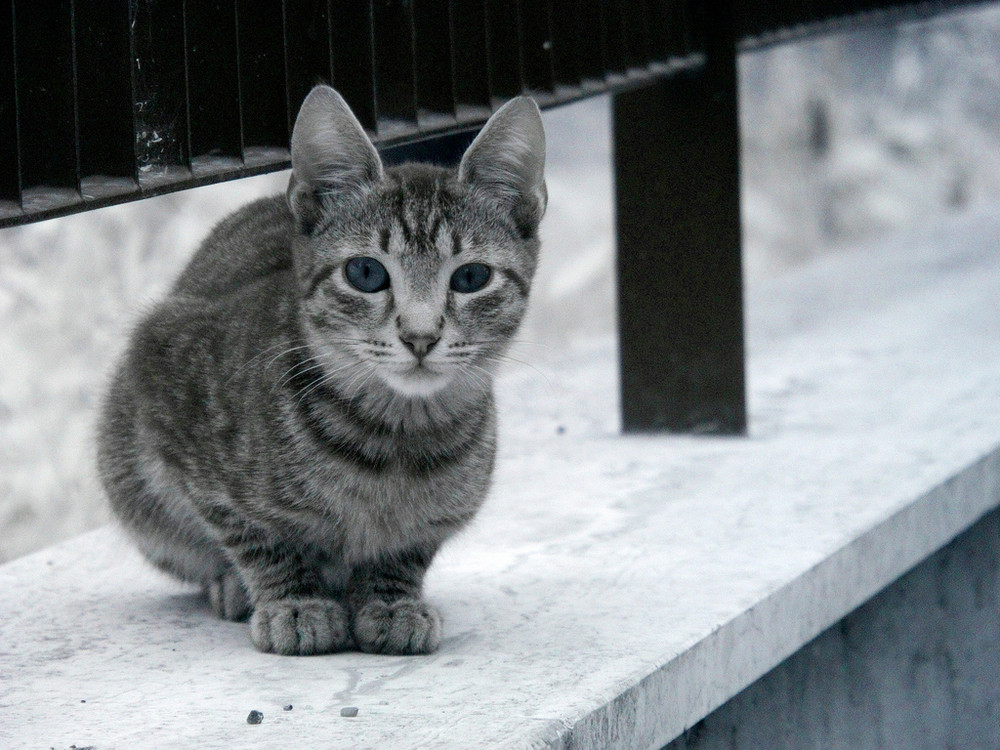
507 162
330 154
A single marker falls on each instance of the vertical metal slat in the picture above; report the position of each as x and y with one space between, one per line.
504 49
697 19
536 33
679 269
212 72
263 103
433 45
592 55
470 61
565 43
395 74
104 99
635 33
613 29
660 39
308 52
43 42
158 91
354 57
10 165
675 30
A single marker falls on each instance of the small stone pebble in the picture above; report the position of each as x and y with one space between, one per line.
349 711
255 717
287 708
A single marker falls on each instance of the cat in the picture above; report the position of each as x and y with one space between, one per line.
308 415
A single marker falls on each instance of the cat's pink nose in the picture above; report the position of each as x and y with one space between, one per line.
420 345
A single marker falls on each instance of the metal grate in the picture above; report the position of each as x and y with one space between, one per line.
104 102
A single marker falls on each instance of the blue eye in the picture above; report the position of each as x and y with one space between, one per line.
366 274
470 278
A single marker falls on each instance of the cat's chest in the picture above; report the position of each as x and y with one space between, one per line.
371 494
371 515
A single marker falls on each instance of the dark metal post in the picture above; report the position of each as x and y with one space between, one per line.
679 271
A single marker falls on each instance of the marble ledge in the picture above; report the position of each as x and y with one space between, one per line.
614 590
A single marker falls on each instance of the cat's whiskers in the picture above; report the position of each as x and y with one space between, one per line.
478 375
260 354
297 369
515 342
291 369
313 362
328 376
301 394
506 358
364 382
465 361
280 354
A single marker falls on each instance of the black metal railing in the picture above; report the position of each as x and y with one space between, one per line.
105 102
102 102
112 101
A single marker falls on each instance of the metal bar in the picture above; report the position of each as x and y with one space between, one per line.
821 10
395 69
666 30
213 84
10 165
104 98
263 105
635 33
536 33
158 91
697 20
679 271
682 34
47 124
613 30
354 57
592 54
55 119
443 150
566 42
308 51
433 44
655 17
505 49
470 61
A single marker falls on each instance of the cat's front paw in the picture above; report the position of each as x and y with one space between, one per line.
300 626
228 597
406 626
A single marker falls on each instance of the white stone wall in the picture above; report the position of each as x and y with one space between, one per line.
915 668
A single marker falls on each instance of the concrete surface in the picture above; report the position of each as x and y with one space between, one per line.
614 591
915 668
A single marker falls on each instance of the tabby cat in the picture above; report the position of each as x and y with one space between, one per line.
309 415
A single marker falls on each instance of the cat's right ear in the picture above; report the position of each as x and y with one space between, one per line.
506 161
330 154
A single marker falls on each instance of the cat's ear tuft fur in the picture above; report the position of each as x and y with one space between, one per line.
507 161
330 153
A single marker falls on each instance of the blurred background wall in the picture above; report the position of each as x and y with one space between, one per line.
844 138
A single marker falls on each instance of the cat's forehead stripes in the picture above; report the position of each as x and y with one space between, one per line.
417 219
415 236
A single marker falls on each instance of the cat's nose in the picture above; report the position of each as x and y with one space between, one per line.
419 344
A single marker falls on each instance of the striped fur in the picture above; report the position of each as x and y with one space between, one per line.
270 436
